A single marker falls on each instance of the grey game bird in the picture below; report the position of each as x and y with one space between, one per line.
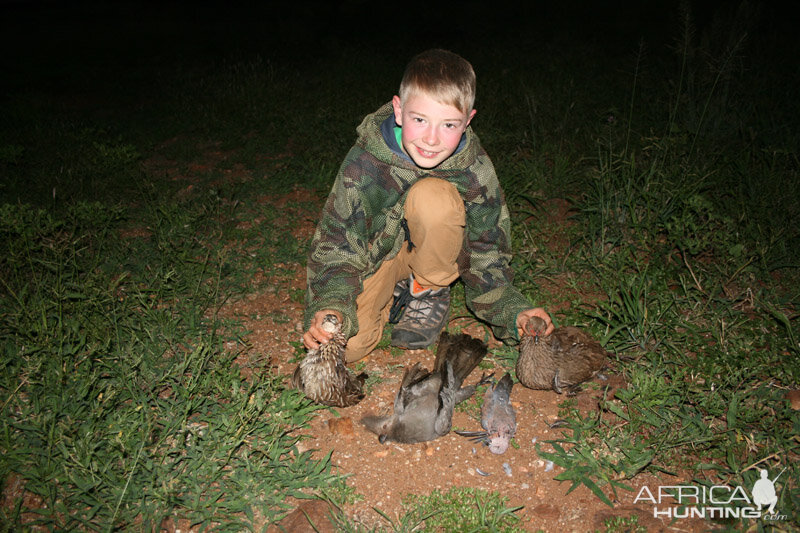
562 360
497 417
322 375
423 407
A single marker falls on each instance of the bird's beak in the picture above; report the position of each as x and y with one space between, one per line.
382 438
535 338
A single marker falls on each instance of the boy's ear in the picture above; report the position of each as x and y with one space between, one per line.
398 110
471 114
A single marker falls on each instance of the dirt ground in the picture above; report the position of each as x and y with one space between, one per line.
384 473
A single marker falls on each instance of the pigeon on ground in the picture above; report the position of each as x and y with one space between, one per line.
562 360
497 417
322 375
423 407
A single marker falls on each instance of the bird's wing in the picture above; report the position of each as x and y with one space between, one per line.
465 354
572 338
447 400
414 385
443 348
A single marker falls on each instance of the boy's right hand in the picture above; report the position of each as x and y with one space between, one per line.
315 335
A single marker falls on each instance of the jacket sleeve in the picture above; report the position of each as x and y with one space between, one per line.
484 262
337 257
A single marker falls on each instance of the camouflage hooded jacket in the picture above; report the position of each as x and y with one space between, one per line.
361 226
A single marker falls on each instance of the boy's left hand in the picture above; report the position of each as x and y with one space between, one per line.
524 316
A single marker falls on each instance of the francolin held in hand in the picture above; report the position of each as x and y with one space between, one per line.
322 375
562 360
497 417
423 407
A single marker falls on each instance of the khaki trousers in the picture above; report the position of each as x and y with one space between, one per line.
435 214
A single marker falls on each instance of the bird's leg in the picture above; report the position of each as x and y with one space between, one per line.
485 380
465 392
557 382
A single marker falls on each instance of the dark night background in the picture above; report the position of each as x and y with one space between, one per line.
50 45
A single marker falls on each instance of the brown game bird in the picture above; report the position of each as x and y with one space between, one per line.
322 375
562 360
423 407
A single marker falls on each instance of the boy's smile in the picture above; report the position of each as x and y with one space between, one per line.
431 130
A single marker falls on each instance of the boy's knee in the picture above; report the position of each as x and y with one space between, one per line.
360 345
434 201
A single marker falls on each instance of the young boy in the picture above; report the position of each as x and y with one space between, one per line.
415 205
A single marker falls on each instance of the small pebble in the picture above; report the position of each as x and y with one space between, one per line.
507 469
548 466
481 472
533 440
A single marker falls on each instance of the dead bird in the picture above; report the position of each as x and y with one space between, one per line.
562 360
322 375
497 417
423 407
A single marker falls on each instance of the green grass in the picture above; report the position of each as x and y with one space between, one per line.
121 402
120 408
458 509
698 289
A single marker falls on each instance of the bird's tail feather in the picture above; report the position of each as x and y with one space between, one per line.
413 375
481 437
503 387
462 351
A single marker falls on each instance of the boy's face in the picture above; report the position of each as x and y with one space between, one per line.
431 130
